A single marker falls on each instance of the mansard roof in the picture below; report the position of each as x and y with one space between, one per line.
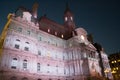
46 24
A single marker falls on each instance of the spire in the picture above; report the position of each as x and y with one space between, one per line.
67 8
34 9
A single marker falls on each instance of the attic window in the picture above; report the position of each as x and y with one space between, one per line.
62 36
55 33
48 30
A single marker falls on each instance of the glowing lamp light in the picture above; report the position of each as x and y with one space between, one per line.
82 37
113 72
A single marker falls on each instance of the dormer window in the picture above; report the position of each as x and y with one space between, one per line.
66 18
62 36
55 33
48 30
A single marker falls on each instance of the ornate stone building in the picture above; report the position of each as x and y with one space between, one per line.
41 49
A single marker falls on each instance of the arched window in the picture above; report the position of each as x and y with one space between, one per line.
38 66
18 40
14 63
13 78
25 64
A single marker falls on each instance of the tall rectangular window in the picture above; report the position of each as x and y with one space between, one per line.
14 63
38 66
40 38
25 64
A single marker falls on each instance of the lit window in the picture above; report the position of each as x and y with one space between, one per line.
55 33
38 66
82 37
17 46
25 64
119 60
71 18
26 49
112 62
70 45
14 63
48 30
62 36
66 18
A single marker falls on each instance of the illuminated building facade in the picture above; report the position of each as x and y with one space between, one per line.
114 61
104 62
41 49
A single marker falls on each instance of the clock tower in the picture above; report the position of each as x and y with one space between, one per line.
69 19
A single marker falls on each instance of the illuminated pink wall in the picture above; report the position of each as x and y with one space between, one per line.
58 58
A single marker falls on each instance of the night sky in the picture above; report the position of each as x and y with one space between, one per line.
98 17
